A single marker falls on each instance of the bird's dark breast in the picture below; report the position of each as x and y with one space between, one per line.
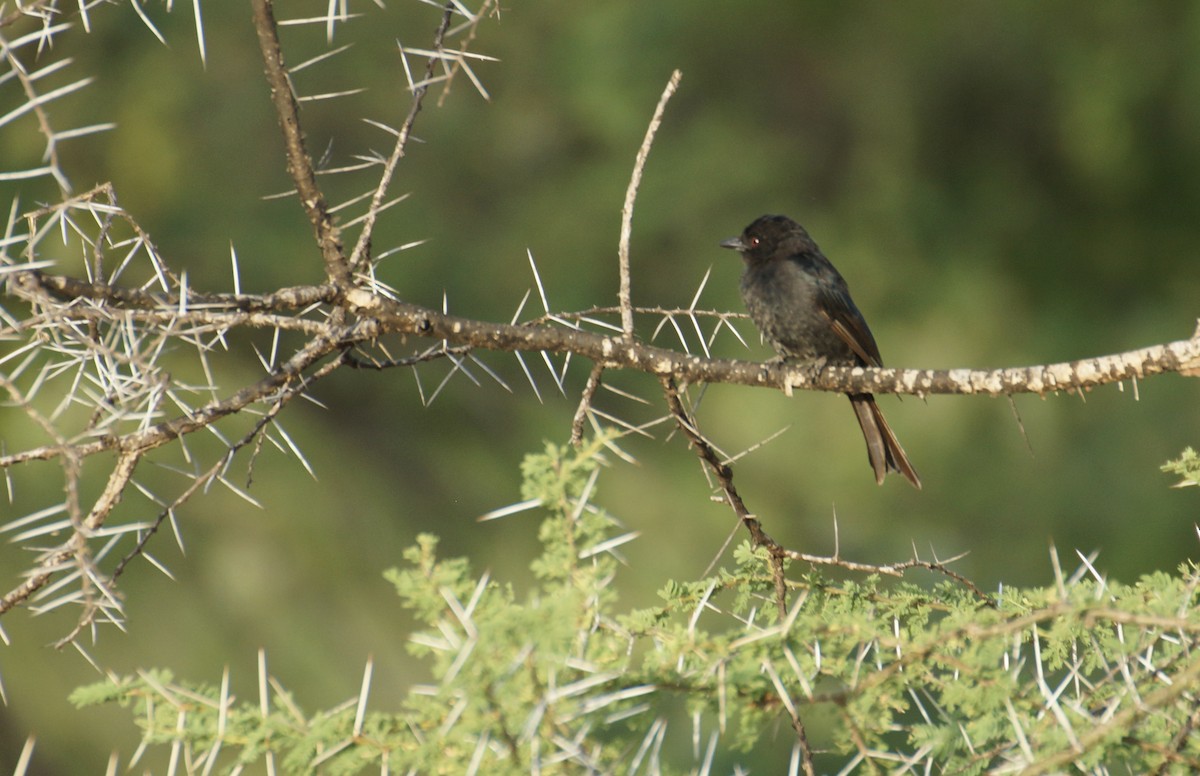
782 302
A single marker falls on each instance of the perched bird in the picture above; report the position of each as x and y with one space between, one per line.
802 306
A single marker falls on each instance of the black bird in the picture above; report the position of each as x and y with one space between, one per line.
802 306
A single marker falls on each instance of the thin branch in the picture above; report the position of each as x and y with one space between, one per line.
354 361
332 340
890 569
623 296
724 474
585 404
362 248
299 163
36 103
22 12
806 757
281 300
473 28
33 583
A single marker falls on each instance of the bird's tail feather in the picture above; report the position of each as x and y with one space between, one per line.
883 449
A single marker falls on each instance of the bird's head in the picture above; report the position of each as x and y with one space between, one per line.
763 239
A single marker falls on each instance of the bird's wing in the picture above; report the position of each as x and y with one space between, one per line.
848 324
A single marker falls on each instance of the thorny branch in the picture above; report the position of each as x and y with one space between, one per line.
39 110
777 552
585 403
389 316
299 163
362 248
724 474
635 180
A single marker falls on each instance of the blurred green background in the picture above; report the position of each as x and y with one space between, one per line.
1001 184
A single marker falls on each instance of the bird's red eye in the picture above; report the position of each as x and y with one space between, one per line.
754 242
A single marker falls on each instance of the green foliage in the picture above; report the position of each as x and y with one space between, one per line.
1084 674
1186 466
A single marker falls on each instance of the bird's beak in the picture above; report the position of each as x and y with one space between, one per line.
735 243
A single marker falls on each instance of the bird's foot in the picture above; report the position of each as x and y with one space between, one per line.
809 368
815 367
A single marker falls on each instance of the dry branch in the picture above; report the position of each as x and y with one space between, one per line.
299 163
635 180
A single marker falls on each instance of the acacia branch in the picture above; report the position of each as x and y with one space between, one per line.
388 316
280 300
362 248
279 386
299 163
333 339
777 552
615 352
635 180
35 100
724 474
585 404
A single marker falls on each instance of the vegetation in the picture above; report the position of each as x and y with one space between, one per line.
1086 674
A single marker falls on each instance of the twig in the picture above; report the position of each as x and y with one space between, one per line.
362 247
286 299
623 296
43 118
724 474
890 569
299 164
806 757
23 12
1123 720
585 404
483 11
432 354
